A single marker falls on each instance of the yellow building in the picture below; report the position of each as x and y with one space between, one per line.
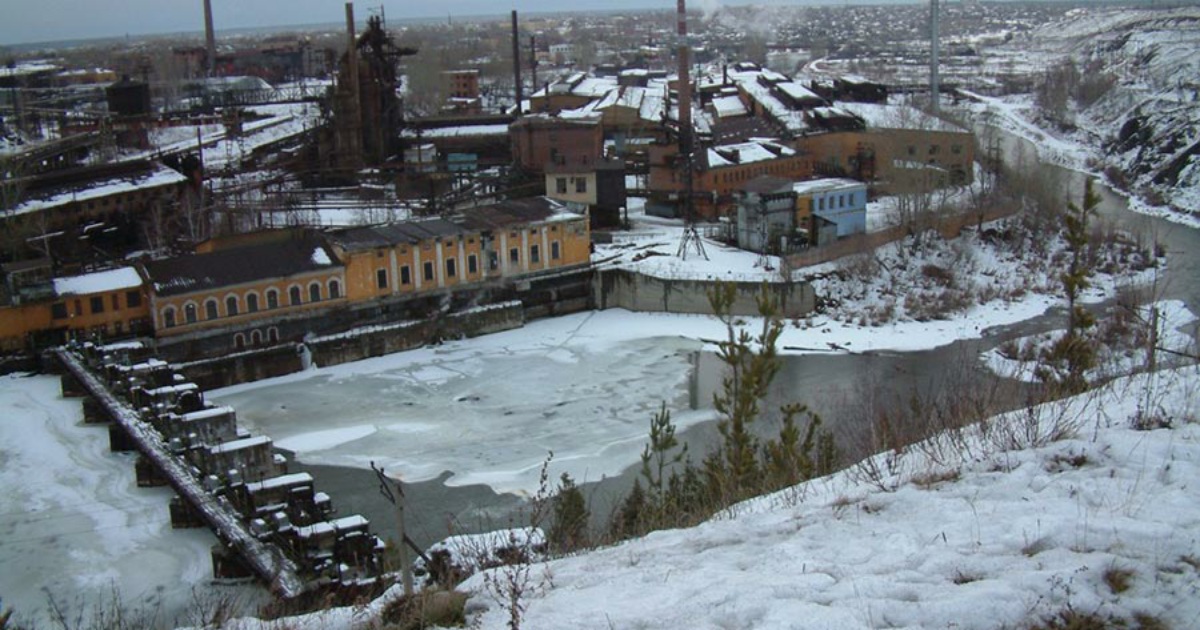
107 304
249 289
511 238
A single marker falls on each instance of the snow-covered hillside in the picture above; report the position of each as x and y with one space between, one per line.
1102 523
1149 122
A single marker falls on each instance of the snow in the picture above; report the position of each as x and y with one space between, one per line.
98 282
69 501
321 257
158 177
728 106
1020 535
460 131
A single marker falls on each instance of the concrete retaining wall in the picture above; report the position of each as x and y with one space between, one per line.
353 345
619 288
243 367
377 341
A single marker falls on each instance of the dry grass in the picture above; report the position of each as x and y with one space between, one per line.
1117 579
426 609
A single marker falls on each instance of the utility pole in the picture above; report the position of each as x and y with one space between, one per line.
397 499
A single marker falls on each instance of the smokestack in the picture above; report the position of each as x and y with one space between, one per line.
684 88
533 63
516 46
934 27
210 38
352 70
685 81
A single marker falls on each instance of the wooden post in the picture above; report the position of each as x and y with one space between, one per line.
406 576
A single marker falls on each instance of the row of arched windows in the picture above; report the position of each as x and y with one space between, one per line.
256 338
251 303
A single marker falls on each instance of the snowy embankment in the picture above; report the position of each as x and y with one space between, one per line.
999 539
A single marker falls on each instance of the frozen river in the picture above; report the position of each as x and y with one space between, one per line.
75 527
488 410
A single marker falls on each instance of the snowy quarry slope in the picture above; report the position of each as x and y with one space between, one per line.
1149 122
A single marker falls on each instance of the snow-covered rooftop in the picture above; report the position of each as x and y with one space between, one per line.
158 176
123 278
828 184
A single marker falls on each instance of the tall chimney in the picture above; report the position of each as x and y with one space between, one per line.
684 88
516 46
533 63
934 27
210 39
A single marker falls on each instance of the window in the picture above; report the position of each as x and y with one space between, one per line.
210 309
272 298
59 311
956 149
133 299
272 335
493 261
534 254
428 271
314 292
116 301
451 268
381 278
335 289
294 296
189 313
555 250
169 317
933 149
239 341
514 255
580 184
97 304
405 275
231 305
912 150
252 302
255 338
472 265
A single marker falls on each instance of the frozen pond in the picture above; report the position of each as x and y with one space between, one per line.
488 410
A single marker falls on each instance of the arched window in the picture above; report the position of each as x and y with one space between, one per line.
335 289
231 305
210 309
189 313
272 299
294 296
272 335
239 341
169 317
314 292
252 302
255 338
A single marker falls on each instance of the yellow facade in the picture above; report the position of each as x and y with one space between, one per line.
106 313
244 303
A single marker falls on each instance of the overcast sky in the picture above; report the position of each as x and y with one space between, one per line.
24 21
